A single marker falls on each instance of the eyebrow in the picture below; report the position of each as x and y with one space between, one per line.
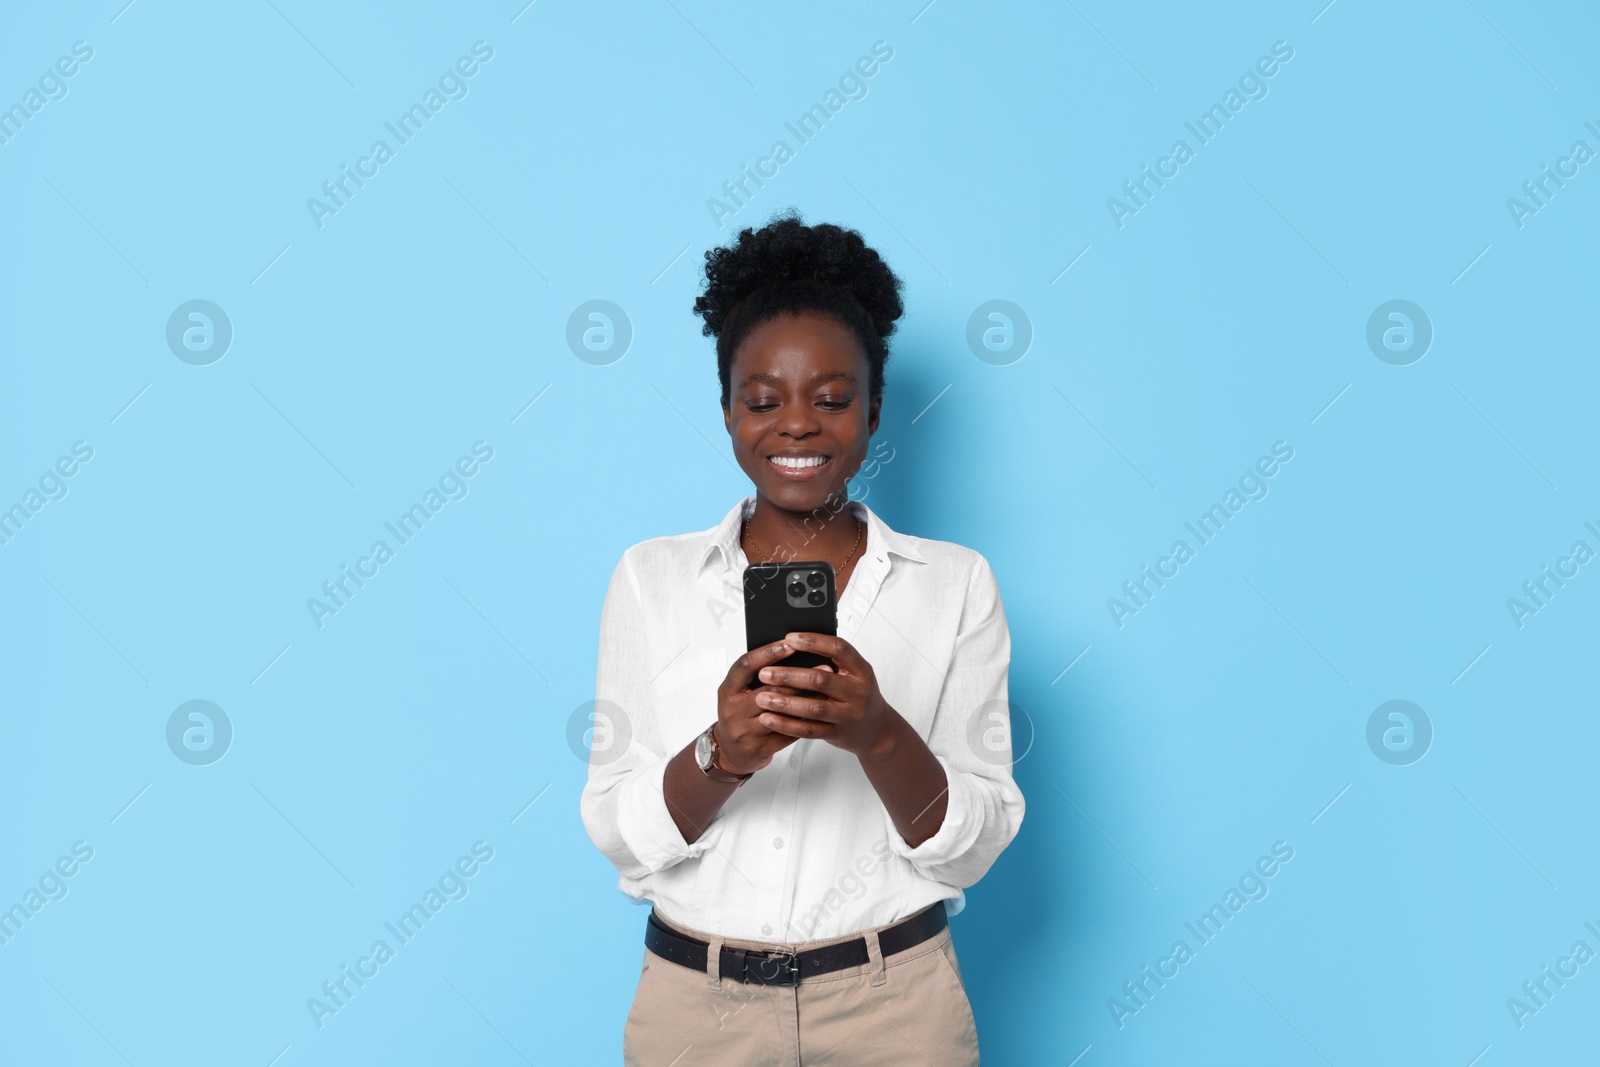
773 379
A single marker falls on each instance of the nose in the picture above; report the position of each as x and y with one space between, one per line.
797 421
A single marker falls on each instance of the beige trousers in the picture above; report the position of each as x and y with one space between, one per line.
907 1009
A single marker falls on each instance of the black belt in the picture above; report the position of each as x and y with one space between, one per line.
783 967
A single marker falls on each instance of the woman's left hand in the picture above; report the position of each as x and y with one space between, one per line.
844 706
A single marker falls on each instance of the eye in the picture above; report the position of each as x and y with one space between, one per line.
834 403
759 404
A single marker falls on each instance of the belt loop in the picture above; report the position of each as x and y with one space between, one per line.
714 964
875 965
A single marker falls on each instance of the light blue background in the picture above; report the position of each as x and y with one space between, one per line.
369 354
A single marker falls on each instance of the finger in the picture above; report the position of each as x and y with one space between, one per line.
815 679
781 690
784 724
797 706
745 667
752 712
773 742
842 652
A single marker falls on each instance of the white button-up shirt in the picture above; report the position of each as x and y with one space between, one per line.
805 849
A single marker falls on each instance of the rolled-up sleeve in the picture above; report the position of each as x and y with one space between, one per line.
971 738
623 806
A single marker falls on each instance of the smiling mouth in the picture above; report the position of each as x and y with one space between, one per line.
801 466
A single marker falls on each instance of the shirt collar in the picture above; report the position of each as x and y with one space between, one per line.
881 540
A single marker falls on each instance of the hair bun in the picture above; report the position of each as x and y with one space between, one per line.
787 266
787 253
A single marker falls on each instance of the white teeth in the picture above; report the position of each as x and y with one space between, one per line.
798 462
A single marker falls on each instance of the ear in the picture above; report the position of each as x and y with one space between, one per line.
873 409
727 419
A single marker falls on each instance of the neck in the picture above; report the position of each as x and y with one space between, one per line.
823 533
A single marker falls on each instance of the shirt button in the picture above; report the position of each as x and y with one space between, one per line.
777 842
766 931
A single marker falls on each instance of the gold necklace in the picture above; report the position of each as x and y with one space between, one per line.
860 528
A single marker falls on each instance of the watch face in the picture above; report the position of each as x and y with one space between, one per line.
702 750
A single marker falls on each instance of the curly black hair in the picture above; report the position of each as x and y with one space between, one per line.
787 267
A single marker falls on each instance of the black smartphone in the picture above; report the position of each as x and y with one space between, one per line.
784 598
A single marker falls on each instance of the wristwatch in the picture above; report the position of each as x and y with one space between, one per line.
706 752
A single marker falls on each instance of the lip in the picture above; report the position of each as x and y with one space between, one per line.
801 474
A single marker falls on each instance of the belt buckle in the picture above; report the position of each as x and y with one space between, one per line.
777 967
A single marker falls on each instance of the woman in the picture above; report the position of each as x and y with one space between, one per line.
800 831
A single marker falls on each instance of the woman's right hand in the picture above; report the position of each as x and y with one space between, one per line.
744 745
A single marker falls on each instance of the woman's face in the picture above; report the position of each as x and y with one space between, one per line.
798 411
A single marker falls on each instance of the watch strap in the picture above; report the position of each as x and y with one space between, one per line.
714 771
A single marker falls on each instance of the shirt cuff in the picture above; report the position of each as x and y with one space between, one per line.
647 827
961 826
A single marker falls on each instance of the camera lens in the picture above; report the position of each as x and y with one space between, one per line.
816 598
797 590
814 579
